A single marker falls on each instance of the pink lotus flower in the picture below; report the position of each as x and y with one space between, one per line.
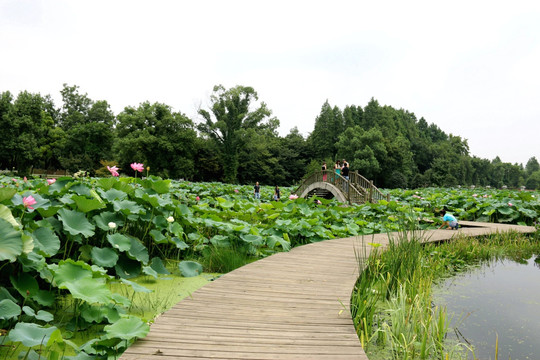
319 202
51 181
114 170
293 197
137 167
236 191
510 204
475 195
25 179
28 201
197 198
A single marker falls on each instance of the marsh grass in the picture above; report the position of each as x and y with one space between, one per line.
224 259
392 305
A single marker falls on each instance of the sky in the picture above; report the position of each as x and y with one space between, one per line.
470 67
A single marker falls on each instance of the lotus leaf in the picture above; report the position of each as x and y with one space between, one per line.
103 219
11 244
119 241
71 271
46 241
6 214
138 251
149 271
7 193
31 334
76 223
273 240
180 244
44 297
136 287
190 268
86 205
157 265
90 290
127 268
158 236
105 257
127 328
25 284
127 207
9 309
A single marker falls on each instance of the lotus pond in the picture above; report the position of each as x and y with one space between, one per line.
496 302
78 237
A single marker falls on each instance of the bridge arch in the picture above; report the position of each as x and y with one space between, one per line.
338 194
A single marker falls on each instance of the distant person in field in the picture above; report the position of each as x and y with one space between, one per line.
257 191
324 169
277 193
449 221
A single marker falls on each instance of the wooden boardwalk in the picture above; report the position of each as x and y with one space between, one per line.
292 305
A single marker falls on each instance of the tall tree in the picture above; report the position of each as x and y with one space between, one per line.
231 114
329 126
158 137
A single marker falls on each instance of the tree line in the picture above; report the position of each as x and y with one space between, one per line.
236 141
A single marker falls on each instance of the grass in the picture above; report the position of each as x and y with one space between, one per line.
392 303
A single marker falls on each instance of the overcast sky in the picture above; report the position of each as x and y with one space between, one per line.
471 67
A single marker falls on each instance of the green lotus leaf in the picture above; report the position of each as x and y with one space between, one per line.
28 243
29 311
44 316
102 220
127 207
220 241
127 268
25 284
507 210
50 211
158 266
252 239
158 236
274 240
5 294
149 271
114 194
119 241
89 289
11 244
122 300
9 309
7 193
6 214
127 328
93 314
176 229
105 257
71 271
138 251
80 189
190 268
76 223
85 204
44 297
161 186
180 244
31 334
46 241
32 262
136 287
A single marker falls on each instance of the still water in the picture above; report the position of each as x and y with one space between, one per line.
501 298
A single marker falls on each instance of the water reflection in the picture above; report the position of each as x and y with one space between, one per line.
501 298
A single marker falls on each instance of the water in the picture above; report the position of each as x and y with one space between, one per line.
501 298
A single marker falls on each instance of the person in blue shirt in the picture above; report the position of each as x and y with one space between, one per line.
449 221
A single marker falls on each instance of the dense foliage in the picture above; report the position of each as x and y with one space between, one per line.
236 141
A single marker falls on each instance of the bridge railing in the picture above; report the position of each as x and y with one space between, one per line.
357 189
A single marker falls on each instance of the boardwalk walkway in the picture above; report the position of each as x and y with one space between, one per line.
292 305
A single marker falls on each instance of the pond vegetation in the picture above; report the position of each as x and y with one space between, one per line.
393 304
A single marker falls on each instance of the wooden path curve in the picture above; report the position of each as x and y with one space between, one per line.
292 305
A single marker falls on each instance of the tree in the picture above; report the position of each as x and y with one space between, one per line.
328 127
231 115
158 137
532 166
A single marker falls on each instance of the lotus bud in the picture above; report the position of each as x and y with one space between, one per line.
170 219
112 225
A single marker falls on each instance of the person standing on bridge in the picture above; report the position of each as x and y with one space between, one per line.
345 174
337 169
324 169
